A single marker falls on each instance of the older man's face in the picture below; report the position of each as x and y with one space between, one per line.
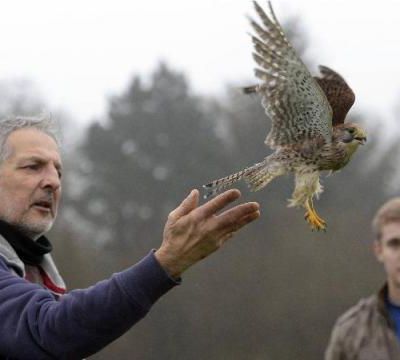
30 181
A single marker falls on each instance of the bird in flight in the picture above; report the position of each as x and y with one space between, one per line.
308 132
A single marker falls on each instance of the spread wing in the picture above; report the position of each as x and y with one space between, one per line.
295 103
339 94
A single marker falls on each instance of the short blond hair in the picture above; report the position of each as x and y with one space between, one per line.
387 213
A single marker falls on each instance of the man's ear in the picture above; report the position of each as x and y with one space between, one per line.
378 250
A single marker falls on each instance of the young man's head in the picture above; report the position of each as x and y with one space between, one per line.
386 226
30 174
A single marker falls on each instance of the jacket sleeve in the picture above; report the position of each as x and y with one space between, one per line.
35 325
335 349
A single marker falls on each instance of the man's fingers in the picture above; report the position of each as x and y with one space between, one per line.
248 218
213 206
225 238
229 232
238 216
186 206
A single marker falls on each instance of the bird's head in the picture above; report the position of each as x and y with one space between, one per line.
350 134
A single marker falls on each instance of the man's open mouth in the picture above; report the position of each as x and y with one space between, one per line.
43 204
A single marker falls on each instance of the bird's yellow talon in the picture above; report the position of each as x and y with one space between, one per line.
315 221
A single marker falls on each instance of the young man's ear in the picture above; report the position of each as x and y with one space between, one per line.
377 246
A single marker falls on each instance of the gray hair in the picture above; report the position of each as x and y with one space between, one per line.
43 122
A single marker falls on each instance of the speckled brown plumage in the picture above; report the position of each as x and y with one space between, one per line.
307 113
340 96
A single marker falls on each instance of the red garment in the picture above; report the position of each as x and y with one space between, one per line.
36 274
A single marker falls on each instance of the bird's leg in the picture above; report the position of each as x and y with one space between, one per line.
312 217
315 213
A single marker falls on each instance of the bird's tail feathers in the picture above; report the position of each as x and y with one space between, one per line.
249 174
261 177
216 186
250 89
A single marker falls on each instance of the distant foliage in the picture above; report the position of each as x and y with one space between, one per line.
278 285
276 290
158 142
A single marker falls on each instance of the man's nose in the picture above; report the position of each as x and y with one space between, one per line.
51 179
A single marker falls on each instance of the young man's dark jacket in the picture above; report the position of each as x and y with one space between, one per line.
365 332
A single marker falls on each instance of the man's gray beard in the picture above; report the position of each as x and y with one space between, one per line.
33 231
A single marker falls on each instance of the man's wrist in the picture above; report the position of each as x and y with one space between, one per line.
168 264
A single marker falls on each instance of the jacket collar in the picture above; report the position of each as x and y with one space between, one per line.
382 297
10 256
30 251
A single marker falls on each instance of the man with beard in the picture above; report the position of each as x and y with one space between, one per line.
38 319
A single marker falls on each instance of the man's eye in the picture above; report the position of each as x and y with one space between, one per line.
395 243
31 166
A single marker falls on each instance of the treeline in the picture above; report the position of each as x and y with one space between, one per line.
276 289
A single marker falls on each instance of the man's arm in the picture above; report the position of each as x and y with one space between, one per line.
34 325
84 321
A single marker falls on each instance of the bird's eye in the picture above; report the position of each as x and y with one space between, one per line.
351 131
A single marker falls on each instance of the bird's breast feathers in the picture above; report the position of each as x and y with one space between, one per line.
336 155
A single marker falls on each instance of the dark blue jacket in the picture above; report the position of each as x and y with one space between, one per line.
35 325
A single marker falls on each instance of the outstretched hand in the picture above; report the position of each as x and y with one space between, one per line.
193 232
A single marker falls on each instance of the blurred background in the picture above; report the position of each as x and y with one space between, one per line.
148 97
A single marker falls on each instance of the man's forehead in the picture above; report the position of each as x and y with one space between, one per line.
391 230
30 142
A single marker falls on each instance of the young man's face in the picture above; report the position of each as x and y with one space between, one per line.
387 251
30 181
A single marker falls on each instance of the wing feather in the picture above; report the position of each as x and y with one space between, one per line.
292 98
339 94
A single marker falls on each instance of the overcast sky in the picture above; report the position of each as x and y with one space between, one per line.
80 52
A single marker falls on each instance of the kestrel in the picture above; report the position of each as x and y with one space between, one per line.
308 132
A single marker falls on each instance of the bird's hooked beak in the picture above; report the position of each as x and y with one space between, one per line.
360 136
